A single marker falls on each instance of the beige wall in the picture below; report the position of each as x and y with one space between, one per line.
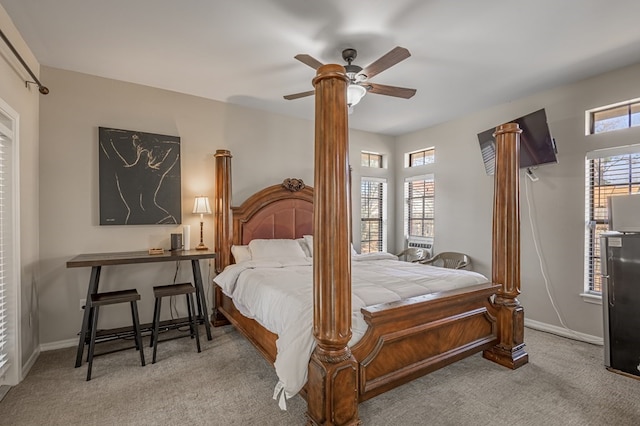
464 194
266 148
25 101
269 147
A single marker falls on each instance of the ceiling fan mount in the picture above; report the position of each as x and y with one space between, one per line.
360 76
349 55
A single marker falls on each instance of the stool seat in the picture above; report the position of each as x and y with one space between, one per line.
173 290
97 300
113 297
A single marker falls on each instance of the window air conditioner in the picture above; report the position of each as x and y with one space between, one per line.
423 243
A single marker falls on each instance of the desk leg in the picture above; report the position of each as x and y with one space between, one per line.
201 297
92 289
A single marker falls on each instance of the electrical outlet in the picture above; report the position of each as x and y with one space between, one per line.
83 303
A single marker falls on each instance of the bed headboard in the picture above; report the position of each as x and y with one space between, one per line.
278 211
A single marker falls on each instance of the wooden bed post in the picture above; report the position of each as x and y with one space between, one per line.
333 375
509 351
222 224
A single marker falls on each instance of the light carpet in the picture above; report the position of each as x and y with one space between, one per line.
229 383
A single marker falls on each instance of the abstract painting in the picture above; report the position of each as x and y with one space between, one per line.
139 178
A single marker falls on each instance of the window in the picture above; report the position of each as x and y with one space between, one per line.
608 173
614 117
3 302
8 285
369 159
372 215
419 194
421 158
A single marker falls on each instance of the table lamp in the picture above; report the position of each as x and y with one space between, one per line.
202 207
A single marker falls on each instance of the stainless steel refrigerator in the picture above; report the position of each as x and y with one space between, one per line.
620 268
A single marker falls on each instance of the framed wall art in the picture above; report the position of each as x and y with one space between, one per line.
139 176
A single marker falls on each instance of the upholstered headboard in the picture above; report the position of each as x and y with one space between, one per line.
279 211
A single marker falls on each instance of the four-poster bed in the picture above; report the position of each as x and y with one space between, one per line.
404 339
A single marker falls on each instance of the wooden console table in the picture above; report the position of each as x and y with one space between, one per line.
97 260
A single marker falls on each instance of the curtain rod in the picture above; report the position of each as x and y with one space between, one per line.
42 89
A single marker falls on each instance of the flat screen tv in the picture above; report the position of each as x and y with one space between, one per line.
536 144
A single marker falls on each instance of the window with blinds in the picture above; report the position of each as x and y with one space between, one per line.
4 253
372 215
419 194
8 286
609 172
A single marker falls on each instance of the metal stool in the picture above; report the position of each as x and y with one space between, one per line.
111 298
174 290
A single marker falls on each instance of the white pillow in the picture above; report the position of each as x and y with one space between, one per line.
261 249
241 253
305 247
309 241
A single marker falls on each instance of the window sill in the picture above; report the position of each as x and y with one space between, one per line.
591 298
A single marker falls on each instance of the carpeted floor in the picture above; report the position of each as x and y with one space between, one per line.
229 383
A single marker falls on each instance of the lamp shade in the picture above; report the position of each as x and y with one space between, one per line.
355 92
201 205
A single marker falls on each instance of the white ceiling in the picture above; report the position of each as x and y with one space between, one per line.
466 55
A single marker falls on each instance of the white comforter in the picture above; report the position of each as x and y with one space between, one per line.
278 293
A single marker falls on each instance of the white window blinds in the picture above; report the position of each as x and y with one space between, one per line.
419 212
3 253
8 303
609 172
372 214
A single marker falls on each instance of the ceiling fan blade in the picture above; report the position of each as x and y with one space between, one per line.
382 89
309 60
388 60
299 95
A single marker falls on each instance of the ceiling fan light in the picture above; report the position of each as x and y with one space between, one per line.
355 93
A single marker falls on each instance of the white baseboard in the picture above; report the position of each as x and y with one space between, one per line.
3 391
564 332
26 367
61 344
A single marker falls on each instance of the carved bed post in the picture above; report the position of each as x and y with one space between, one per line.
332 380
222 224
509 351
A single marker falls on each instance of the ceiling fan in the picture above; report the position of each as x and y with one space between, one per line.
359 83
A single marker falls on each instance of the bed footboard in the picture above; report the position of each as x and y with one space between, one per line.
413 337
405 339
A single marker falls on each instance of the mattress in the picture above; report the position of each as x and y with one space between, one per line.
278 294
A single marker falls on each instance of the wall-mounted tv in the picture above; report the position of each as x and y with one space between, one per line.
536 144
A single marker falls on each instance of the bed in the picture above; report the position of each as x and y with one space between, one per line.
404 339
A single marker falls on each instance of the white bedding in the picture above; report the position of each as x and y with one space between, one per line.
278 293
